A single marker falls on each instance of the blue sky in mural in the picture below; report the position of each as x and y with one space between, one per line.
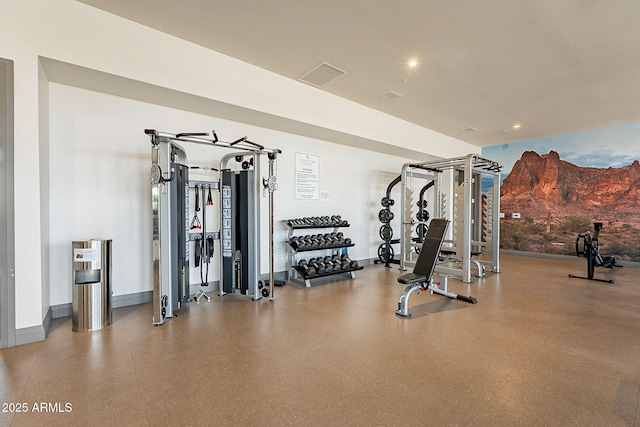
611 147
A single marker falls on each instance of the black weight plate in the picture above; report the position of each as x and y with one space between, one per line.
385 252
423 216
386 232
386 202
385 216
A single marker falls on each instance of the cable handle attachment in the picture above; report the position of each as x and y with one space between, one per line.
195 223
197 208
209 198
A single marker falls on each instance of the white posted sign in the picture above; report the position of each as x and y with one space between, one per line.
307 167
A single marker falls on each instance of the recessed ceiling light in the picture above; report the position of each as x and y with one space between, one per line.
516 126
412 63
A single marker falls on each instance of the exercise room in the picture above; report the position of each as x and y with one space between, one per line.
317 214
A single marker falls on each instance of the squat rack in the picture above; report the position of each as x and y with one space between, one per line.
471 169
166 155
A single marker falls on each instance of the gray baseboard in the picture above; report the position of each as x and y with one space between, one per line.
30 334
132 299
65 310
277 275
46 322
60 310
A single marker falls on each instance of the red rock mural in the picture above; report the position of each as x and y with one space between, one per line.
557 200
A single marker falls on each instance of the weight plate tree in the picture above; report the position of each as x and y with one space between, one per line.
385 215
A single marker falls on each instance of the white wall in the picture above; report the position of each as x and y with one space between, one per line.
87 38
100 187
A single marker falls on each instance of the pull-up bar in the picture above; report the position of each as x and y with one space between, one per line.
199 138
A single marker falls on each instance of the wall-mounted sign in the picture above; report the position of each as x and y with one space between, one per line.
307 167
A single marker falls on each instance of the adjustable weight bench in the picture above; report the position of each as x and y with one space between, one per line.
421 278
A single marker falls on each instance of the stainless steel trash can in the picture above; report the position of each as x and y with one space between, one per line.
91 295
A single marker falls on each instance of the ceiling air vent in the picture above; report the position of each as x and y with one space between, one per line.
321 74
390 95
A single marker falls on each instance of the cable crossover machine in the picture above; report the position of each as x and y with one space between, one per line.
239 209
474 214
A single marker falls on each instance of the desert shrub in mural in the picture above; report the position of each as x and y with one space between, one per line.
557 200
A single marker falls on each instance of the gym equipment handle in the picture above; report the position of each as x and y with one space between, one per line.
246 141
180 135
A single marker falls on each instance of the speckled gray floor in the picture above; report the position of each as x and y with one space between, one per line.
538 349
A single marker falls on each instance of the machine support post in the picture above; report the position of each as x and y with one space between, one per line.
271 187
467 218
403 207
254 273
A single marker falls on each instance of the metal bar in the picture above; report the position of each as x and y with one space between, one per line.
214 185
157 281
423 167
271 228
495 229
255 239
441 164
161 236
403 203
240 144
467 218
448 270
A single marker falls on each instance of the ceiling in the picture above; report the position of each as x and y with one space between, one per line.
554 67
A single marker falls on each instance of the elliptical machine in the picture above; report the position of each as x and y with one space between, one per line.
587 246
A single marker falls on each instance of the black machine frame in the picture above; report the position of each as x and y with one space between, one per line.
587 246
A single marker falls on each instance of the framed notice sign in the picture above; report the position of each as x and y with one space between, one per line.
307 167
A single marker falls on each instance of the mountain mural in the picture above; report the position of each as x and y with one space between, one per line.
557 199
543 182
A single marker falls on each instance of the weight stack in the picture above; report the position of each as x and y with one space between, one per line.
237 239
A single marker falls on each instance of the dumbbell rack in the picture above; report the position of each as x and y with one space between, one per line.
296 273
